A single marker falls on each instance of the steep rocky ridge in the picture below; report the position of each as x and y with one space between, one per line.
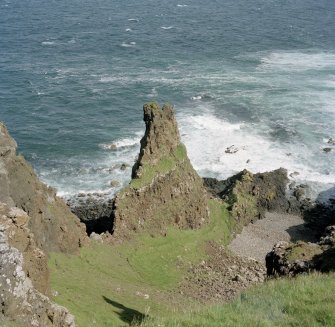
54 226
165 188
33 222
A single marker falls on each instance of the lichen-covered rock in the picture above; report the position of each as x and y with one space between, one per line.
250 195
290 259
24 275
165 188
53 225
15 222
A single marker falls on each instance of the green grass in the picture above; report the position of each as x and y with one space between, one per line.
305 301
6 323
163 166
115 285
106 286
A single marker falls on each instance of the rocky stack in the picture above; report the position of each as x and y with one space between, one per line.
165 188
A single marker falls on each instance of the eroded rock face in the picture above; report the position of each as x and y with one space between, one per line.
53 225
165 188
24 275
250 195
290 259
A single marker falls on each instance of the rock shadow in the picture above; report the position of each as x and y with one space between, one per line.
325 262
127 315
322 213
302 233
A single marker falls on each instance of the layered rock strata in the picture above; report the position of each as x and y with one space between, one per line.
165 188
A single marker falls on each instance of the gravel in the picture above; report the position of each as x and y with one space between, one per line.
257 239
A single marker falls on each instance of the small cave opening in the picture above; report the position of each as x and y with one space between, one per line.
96 214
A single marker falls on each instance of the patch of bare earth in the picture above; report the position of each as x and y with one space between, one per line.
221 276
257 239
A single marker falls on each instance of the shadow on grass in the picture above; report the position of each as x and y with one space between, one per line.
127 315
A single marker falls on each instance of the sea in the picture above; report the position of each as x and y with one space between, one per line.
256 77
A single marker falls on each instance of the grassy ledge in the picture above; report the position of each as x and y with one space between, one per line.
163 166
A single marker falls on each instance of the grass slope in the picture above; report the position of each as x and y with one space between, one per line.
304 301
108 286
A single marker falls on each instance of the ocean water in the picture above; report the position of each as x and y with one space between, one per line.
257 75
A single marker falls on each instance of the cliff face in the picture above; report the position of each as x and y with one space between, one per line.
165 188
24 275
33 222
54 227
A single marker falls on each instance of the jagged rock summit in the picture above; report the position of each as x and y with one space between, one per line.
161 136
165 188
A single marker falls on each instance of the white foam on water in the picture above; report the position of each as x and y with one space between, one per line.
136 20
128 45
208 139
166 27
182 6
298 61
124 142
128 29
48 42
153 93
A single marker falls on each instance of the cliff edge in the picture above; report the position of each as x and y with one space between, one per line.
54 227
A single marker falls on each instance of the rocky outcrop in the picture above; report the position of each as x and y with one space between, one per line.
94 212
24 275
53 225
250 196
165 188
290 259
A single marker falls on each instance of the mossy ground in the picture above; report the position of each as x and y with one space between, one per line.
109 286
165 165
303 251
304 301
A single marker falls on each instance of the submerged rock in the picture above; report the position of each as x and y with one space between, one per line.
326 150
165 189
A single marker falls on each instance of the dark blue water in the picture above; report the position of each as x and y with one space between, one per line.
259 75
